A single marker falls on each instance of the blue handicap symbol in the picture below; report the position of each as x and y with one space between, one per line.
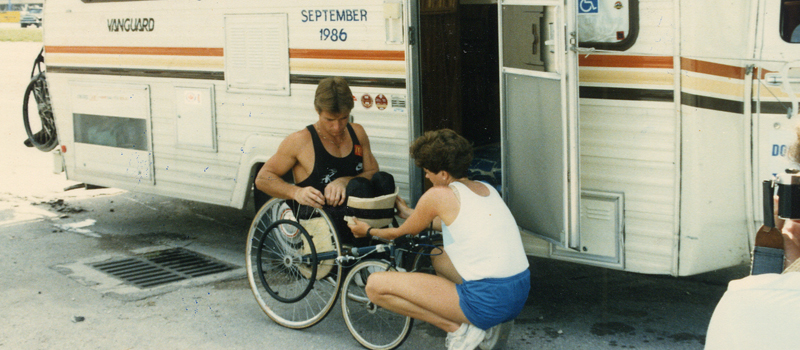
588 6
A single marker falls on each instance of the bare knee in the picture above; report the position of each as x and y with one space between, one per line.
377 285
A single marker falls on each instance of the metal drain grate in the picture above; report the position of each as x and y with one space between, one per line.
161 267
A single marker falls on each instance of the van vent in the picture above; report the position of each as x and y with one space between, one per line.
398 101
160 267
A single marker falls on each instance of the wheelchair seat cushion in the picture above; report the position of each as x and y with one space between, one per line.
377 212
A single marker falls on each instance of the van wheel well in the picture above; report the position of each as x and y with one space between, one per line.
259 197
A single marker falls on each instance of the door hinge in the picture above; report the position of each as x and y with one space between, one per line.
412 39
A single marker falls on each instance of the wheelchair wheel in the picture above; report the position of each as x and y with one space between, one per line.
372 326
279 263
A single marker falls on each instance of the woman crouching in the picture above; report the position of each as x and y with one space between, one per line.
482 277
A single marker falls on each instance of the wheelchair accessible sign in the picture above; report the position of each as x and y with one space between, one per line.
588 6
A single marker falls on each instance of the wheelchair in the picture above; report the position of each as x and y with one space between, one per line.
297 267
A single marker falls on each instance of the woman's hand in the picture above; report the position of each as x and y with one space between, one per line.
403 210
359 228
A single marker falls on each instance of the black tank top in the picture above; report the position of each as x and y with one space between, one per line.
327 167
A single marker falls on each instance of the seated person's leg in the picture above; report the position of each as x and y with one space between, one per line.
360 187
383 183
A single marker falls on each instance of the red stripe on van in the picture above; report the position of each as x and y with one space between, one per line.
619 61
125 50
348 54
710 68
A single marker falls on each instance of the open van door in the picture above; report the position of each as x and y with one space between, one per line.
539 109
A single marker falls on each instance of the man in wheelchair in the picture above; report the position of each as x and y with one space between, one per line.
329 159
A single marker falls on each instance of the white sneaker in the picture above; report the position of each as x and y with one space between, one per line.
455 338
466 337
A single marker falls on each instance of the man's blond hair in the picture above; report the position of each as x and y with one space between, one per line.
333 95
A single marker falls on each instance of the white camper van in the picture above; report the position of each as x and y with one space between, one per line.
630 134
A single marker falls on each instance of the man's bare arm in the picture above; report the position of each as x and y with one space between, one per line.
270 181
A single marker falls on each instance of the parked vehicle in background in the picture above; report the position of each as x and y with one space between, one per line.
32 17
629 139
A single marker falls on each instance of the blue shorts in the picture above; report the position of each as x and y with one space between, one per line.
492 301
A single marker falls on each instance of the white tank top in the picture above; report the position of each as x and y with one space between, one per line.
484 240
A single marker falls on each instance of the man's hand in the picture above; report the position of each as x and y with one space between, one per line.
309 196
335 191
359 228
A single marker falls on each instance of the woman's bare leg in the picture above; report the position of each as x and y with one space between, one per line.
444 267
425 297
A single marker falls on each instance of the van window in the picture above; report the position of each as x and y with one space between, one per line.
790 21
608 25
257 53
111 131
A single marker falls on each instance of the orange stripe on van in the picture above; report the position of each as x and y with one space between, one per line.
125 50
211 51
619 61
348 54
710 68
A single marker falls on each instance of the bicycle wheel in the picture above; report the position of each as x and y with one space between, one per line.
324 277
46 138
372 326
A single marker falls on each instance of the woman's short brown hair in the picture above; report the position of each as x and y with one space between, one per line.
443 149
333 95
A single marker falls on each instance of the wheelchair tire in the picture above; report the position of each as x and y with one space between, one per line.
322 278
